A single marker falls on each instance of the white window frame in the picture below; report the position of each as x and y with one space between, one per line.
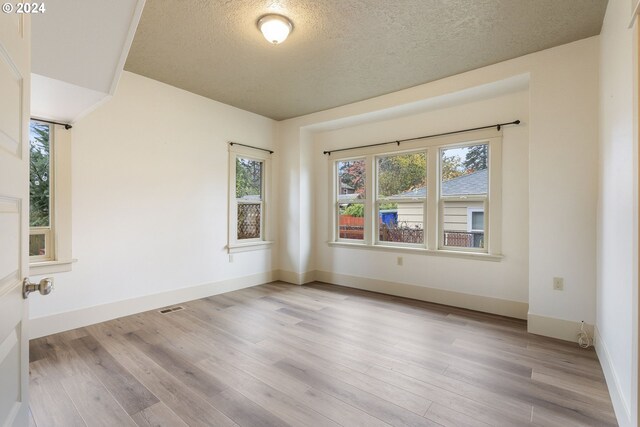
47 231
336 202
58 257
242 245
484 198
379 200
49 245
433 221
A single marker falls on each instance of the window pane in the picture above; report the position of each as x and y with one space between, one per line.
401 222
248 179
351 179
249 220
39 167
455 227
464 170
403 175
477 220
37 245
351 221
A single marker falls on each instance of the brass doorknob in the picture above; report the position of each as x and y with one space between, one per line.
44 287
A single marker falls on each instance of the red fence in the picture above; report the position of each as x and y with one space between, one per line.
351 227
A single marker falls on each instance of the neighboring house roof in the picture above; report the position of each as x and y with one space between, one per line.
473 183
345 185
346 198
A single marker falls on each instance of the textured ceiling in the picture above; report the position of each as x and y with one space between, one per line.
341 51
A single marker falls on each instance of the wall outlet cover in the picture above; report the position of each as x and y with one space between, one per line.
558 283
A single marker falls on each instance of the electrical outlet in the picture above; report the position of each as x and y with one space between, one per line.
558 283
399 261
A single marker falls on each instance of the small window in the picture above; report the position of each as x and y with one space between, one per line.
40 192
351 198
249 172
249 189
476 220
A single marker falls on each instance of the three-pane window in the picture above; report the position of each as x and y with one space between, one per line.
390 199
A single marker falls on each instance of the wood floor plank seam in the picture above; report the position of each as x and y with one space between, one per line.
468 401
197 401
315 355
107 390
308 388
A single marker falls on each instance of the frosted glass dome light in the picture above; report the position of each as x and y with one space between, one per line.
275 28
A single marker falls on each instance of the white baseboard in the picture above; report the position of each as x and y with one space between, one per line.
294 278
60 322
620 406
566 330
499 306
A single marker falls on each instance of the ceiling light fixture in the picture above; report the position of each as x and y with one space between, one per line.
275 28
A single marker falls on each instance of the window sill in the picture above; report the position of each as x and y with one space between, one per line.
48 267
246 247
421 251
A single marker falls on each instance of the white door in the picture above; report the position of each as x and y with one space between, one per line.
15 68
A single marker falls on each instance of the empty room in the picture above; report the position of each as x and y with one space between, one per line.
319 213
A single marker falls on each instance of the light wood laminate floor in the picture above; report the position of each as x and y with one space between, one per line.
315 355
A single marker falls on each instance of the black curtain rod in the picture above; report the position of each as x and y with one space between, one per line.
67 126
251 146
498 126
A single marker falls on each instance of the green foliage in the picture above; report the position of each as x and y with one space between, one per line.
355 209
452 167
476 158
39 190
248 178
397 174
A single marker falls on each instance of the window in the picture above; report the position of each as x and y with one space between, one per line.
475 220
40 192
249 198
350 204
401 182
50 198
439 195
248 210
464 181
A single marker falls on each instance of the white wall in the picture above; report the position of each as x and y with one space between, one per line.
563 181
507 279
617 214
563 130
150 174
